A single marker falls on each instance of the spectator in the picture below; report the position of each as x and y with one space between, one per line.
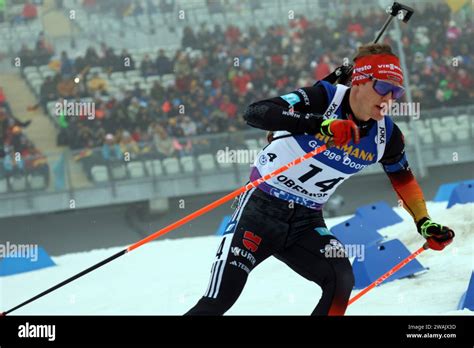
110 61
126 61
189 126
96 84
44 50
163 143
146 67
67 88
2 10
167 6
129 146
48 92
111 150
163 64
12 164
214 6
183 146
67 67
27 56
30 12
91 58
189 39
228 107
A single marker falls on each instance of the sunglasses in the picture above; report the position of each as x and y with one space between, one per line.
383 88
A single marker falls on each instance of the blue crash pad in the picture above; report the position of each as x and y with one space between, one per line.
356 231
13 264
225 220
467 300
379 259
378 214
462 194
445 190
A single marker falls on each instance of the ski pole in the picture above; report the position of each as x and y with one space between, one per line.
341 74
177 224
389 273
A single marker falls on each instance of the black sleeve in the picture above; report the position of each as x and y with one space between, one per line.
297 112
394 158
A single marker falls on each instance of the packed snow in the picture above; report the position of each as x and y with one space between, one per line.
167 277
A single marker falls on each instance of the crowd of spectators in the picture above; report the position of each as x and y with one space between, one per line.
219 72
18 155
28 11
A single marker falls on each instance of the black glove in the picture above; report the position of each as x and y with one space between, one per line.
437 236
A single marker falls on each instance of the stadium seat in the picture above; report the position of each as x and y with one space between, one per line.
426 136
44 68
99 174
3 185
95 69
50 73
132 73
463 120
33 75
36 86
136 170
152 79
224 164
445 137
136 79
118 171
448 121
118 75
171 165
206 162
154 167
252 144
461 132
18 183
36 182
187 162
30 69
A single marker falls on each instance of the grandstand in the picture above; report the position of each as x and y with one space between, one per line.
164 88
123 120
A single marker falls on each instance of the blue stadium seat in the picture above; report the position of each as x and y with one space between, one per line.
379 259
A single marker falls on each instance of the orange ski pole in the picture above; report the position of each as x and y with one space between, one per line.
176 224
389 273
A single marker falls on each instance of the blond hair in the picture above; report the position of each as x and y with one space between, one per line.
370 49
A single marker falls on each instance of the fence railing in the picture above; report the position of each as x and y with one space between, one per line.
444 139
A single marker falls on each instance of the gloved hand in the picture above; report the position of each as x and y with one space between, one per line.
342 131
437 236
